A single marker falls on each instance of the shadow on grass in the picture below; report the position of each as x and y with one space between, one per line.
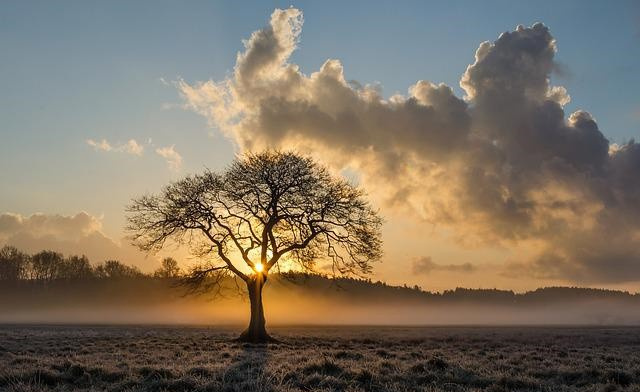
247 370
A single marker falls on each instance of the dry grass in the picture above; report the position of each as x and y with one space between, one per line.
59 358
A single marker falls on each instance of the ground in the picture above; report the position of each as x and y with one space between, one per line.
143 358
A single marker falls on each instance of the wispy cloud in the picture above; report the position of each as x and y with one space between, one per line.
101 145
130 147
425 265
173 158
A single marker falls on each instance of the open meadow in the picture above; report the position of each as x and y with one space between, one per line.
155 358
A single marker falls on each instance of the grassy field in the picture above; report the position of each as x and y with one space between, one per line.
142 358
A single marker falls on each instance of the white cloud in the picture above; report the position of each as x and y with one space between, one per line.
130 147
174 160
101 145
172 157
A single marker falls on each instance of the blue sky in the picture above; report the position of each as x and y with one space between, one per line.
78 70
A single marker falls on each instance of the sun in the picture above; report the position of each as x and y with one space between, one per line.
258 266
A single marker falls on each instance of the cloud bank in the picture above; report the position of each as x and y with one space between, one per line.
503 165
69 234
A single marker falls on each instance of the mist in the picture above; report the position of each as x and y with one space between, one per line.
319 301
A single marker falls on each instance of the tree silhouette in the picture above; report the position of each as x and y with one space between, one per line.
76 268
46 266
263 211
13 264
168 269
113 269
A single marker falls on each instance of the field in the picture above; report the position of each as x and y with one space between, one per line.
144 358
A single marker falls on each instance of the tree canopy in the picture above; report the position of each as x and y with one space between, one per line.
262 208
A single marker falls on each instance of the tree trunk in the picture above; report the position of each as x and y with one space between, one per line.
256 331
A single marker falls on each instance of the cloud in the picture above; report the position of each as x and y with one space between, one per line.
69 234
425 265
41 225
174 160
504 165
102 145
130 147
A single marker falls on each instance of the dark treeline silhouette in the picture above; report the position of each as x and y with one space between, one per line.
48 266
369 289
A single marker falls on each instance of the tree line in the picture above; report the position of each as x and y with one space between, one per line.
48 266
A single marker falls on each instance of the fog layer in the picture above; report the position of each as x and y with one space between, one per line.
314 302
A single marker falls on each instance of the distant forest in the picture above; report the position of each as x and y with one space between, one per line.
49 266
50 269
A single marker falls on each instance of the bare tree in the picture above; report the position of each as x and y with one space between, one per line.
76 268
113 269
168 269
265 210
46 266
13 264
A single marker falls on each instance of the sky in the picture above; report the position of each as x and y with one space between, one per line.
104 101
